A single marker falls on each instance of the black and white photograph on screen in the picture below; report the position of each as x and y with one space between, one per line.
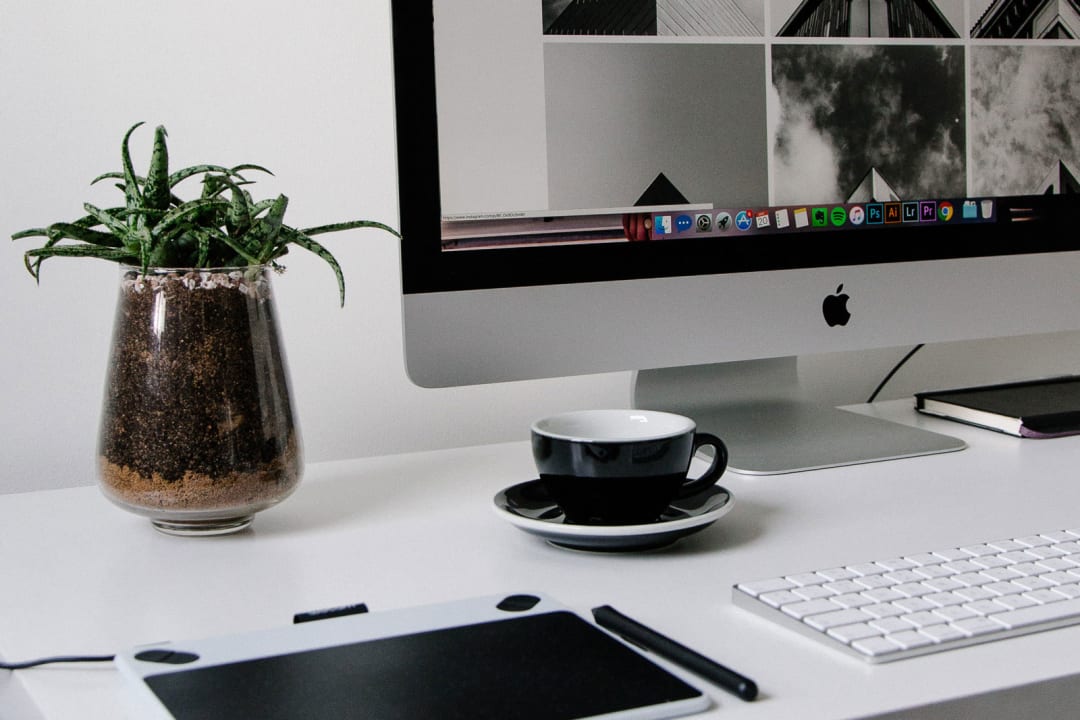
697 18
868 18
1025 19
633 124
855 123
1025 119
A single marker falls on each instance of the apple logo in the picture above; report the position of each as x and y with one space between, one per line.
834 308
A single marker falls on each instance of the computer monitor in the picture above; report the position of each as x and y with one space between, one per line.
702 190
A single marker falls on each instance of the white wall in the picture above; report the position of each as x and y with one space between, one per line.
304 89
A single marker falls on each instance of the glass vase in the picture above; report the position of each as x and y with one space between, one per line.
197 430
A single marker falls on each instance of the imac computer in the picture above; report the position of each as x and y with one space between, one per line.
703 190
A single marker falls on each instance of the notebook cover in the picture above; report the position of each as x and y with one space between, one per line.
1043 408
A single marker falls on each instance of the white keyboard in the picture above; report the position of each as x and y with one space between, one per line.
932 601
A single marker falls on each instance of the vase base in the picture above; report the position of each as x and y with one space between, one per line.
203 528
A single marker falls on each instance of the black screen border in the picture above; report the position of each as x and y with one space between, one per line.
1054 226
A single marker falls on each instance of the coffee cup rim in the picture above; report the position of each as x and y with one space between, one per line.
570 426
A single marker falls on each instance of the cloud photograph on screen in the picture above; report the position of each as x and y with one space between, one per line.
841 114
681 120
1025 121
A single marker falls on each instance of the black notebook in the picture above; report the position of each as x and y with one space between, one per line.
1035 408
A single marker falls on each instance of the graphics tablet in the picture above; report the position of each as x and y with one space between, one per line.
519 656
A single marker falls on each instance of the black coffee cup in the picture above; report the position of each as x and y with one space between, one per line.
621 467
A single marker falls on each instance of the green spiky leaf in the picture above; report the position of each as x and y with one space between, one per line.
224 226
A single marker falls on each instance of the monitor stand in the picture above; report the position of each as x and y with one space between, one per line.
757 408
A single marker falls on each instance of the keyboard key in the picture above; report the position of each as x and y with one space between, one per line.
1033 583
837 574
1015 602
764 586
1005 588
974 593
1043 596
942 633
828 620
779 597
979 550
876 647
812 592
903 576
1047 552
1005 545
851 633
923 619
931 572
1069 591
952 613
910 639
942 584
978 625
890 625
986 607
990 561
804 579
948 599
841 587
883 594
854 600
913 589
865 569
915 604
873 581
883 610
809 607
961 566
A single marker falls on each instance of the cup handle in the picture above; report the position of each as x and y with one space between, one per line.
719 463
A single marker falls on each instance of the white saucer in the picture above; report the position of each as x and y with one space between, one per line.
528 506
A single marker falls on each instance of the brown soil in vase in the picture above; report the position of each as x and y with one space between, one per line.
197 414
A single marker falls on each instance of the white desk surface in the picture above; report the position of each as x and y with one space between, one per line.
79 576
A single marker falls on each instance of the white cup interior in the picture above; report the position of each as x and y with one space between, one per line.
613 425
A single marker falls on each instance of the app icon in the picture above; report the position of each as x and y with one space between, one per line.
969 210
857 215
945 211
802 217
927 211
782 219
683 223
892 212
910 211
703 223
744 219
987 209
762 219
875 214
838 216
723 221
819 217
662 225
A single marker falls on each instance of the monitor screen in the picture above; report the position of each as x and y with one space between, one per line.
592 185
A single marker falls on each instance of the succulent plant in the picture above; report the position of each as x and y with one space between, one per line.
223 227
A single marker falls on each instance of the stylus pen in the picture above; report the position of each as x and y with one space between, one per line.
643 636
